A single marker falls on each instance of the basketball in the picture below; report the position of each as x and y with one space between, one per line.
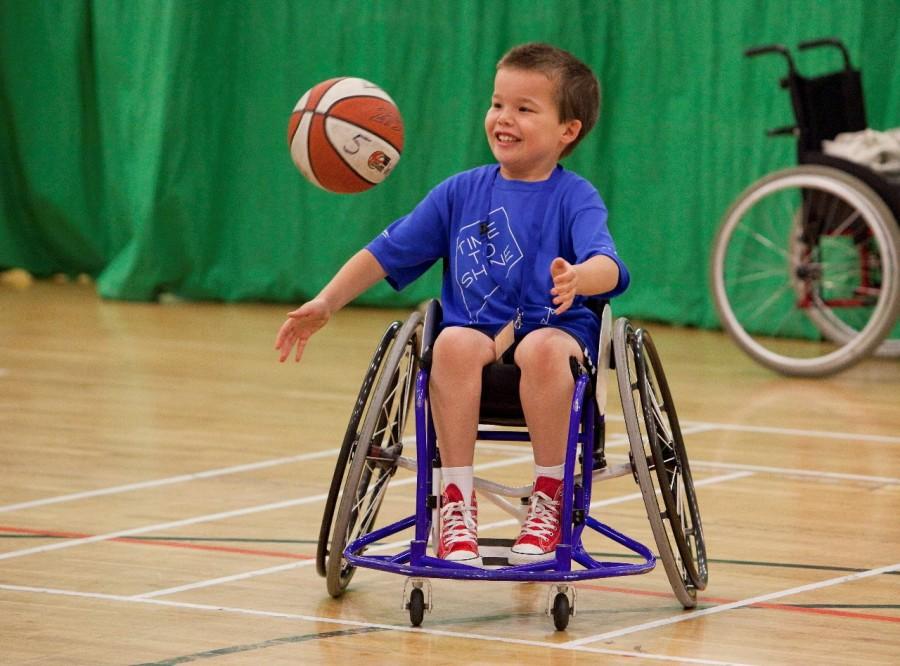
345 135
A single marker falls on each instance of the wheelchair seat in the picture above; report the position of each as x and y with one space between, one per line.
888 191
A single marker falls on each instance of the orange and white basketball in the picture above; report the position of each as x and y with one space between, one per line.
345 135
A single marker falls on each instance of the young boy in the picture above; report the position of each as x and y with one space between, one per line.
523 241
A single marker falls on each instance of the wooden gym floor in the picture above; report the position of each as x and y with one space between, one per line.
163 481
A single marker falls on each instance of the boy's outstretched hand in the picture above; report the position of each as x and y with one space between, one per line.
565 282
299 327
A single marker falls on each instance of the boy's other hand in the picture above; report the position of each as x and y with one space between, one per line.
299 327
565 283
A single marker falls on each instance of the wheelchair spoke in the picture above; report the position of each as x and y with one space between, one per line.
760 275
764 307
377 495
843 226
767 243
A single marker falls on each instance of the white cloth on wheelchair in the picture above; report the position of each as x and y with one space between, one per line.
879 151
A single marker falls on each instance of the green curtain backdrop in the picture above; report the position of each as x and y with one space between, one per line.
143 141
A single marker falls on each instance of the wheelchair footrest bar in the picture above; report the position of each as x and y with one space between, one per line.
414 562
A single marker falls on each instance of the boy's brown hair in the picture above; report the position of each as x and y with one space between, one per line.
577 89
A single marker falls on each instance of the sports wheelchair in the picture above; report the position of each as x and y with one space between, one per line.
804 267
372 448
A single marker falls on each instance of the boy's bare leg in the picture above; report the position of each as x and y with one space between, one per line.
460 354
546 391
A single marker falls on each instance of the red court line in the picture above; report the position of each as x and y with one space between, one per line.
295 556
171 544
781 607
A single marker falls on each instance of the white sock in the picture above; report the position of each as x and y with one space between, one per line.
461 477
555 472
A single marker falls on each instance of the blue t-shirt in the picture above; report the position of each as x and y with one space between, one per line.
497 239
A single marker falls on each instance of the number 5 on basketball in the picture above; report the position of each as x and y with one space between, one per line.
353 147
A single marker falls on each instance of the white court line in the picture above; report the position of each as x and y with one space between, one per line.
222 471
788 471
375 625
393 544
784 471
795 432
306 563
692 615
69 543
688 427
625 498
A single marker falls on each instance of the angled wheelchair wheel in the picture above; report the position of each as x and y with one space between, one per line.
372 460
660 461
804 271
349 444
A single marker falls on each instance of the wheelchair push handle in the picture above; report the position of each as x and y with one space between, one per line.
828 41
754 51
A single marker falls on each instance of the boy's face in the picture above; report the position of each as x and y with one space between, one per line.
523 126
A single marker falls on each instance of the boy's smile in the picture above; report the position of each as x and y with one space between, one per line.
523 126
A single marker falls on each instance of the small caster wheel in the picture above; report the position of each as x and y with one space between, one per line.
561 611
416 607
561 605
417 599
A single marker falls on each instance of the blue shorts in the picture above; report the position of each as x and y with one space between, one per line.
508 355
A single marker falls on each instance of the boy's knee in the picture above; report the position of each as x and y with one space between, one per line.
457 346
547 350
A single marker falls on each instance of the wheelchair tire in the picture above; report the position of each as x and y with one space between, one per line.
561 611
348 445
416 607
808 252
374 459
659 461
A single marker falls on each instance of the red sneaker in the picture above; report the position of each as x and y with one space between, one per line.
459 528
541 529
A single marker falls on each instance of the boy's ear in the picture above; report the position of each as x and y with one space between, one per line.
572 129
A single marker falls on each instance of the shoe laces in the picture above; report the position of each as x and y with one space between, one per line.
459 524
543 516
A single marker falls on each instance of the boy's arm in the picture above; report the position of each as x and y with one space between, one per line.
360 272
597 275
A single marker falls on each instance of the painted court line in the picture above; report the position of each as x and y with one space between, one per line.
155 483
394 544
215 516
224 579
688 427
788 471
306 563
684 617
354 623
795 432
163 526
625 498
783 471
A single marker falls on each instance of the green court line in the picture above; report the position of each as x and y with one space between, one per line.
235 649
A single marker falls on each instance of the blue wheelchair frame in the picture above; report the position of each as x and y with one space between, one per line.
415 560
371 454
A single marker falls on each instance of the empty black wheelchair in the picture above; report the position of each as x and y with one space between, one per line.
805 264
372 451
